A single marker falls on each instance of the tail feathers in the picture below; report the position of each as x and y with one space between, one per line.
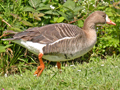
8 39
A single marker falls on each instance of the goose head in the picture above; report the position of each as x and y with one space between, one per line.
97 17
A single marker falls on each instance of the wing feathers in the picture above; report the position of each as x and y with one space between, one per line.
49 33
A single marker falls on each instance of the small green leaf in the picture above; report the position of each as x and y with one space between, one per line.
15 29
31 15
80 23
69 4
51 12
77 9
54 20
47 17
29 9
0 17
109 14
35 14
34 3
3 48
41 14
118 20
26 23
45 7
101 8
60 19
38 15
37 18
63 14
8 45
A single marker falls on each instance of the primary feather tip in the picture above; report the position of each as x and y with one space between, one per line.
8 39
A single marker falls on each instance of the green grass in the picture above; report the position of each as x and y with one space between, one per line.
98 74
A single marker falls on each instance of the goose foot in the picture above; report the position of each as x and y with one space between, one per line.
41 67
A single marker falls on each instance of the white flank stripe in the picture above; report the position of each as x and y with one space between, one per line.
33 46
60 40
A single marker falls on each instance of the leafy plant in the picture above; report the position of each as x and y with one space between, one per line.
19 15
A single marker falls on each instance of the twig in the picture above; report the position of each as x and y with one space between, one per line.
80 18
115 4
7 32
77 19
3 35
6 23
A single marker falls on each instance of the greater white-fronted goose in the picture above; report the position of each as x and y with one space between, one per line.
61 42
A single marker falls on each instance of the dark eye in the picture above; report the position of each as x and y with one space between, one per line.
103 15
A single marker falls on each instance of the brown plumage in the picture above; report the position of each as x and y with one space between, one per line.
62 42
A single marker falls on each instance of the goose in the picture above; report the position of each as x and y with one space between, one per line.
61 41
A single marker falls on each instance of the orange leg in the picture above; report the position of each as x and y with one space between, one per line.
58 65
41 67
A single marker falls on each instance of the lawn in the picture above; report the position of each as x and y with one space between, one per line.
98 74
